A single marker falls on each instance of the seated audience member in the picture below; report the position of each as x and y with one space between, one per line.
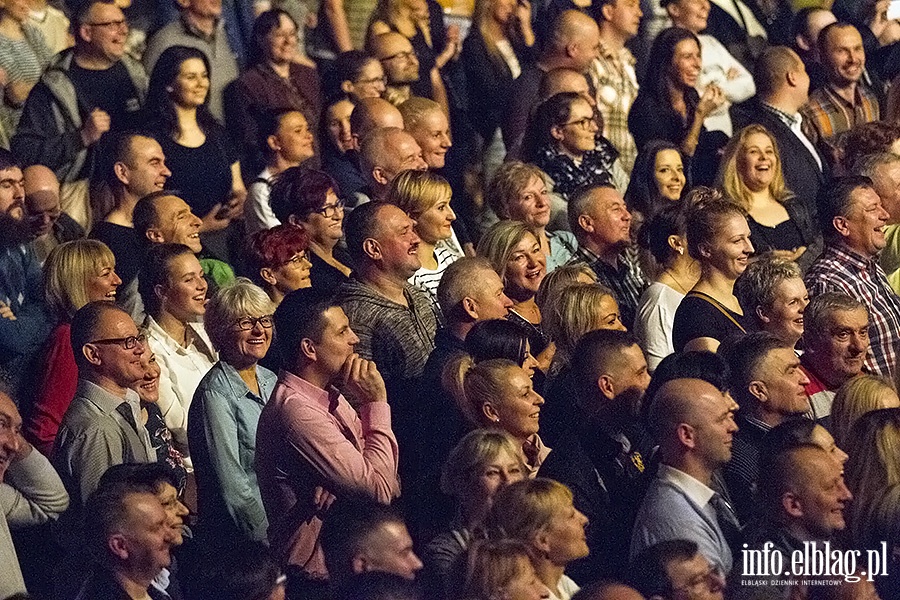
173 290
718 238
602 225
857 397
773 292
427 122
751 177
164 218
24 322
48 226
518 191
359 75
607 589
514 250
385 153
401 67
782 86
800 432
243 571
274 82
700 364
540 513
362 535
664 569
769 386
694 424
836 345
501 338
480 465
664 235
825 115
499 569
426 197
288 142
563 141
740 27
336 451
658 179
884 171
603 451
376 585
205 166
130 539
669 108
562 278
137 167
53 24
308 200
100 427
802 501
338 146
75 274
31 492
866 139
852 218
499 393
279 260
370 114
719 67
161 440
201 29
225 411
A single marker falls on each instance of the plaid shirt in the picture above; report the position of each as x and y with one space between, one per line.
839 269
827 115
613 76
626 279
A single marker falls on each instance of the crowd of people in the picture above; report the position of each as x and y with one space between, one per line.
591 299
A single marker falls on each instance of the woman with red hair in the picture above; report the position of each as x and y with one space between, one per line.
279 259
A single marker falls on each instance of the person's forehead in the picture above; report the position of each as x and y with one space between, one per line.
606 198
843 37
169 205
789 287
390 44
682 571
14 173
41 201
335 318
858 317
8 409
404 145
115 323
862 197
435 119
145 147
101 12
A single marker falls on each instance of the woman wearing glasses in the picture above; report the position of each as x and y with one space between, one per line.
224 413
308 199
279 256
563 141
173 290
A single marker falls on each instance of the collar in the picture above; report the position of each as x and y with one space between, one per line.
855 259
171 346
535 453
192 29
103 399
791 120
699 493
239 389
757 424
624 55
327 399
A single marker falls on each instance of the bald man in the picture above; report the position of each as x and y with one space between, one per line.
371 114
386 153
48 226
693 422
401 67
574 42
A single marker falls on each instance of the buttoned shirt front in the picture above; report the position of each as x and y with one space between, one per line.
827 115
615 82
840 269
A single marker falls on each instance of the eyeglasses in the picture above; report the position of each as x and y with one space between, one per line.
373 81
296 261
585 123
329 210
120 24
126 342
407 55
248 323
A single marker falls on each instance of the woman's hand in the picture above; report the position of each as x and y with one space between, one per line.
451 49
713 97
216 220
6 312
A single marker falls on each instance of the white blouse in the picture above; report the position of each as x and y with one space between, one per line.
653 324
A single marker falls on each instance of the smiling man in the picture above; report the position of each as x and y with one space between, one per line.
853 222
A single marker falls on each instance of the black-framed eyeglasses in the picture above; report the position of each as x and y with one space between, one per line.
128 343
329 210
407 55
584 123
372 81
296 261
118 24
248 323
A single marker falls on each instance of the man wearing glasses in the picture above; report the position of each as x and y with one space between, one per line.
102 426
401 67
83 94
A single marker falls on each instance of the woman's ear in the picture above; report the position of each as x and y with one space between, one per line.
268 276
346 87
676 244
160 291
704 250
490 412
556 133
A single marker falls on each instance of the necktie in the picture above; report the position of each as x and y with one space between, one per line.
727 520
125 410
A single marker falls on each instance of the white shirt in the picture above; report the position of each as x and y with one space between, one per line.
567 588
717 62
699 493
653 324
258 214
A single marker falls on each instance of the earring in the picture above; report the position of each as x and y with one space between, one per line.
170 89
496 419
681 251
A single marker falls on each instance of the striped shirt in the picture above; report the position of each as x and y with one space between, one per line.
827 115
446 253
840 269
613 76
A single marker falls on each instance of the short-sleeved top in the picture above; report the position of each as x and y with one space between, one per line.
111 90
202 174
696 318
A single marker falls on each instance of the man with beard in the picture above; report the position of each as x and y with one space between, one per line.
401 67
24 322
604 462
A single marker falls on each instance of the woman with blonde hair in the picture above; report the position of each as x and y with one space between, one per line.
482 463
859 396
513 249
425 197
563 277
75 273
518 191
751 176
499 570
499 394
540 512
575 310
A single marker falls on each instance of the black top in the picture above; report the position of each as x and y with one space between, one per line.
125 245
697 318
344 169
742 471
202 175
110 90
324 276
784 236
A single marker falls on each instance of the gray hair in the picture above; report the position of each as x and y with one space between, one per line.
868 165
822 307
235 300
756 287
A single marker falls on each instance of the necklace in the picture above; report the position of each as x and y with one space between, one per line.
671 274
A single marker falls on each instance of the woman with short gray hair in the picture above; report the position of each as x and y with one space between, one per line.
224 414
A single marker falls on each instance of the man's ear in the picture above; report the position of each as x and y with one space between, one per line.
470 307
802 43
155 235
308 349
606 386
90 353
586 223
792 505
840 224
556 132
371 248
118 546
359 564
759 390
346 86
121 170
379 176
687 435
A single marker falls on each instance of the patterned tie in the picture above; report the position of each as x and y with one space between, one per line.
124 409
727 520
